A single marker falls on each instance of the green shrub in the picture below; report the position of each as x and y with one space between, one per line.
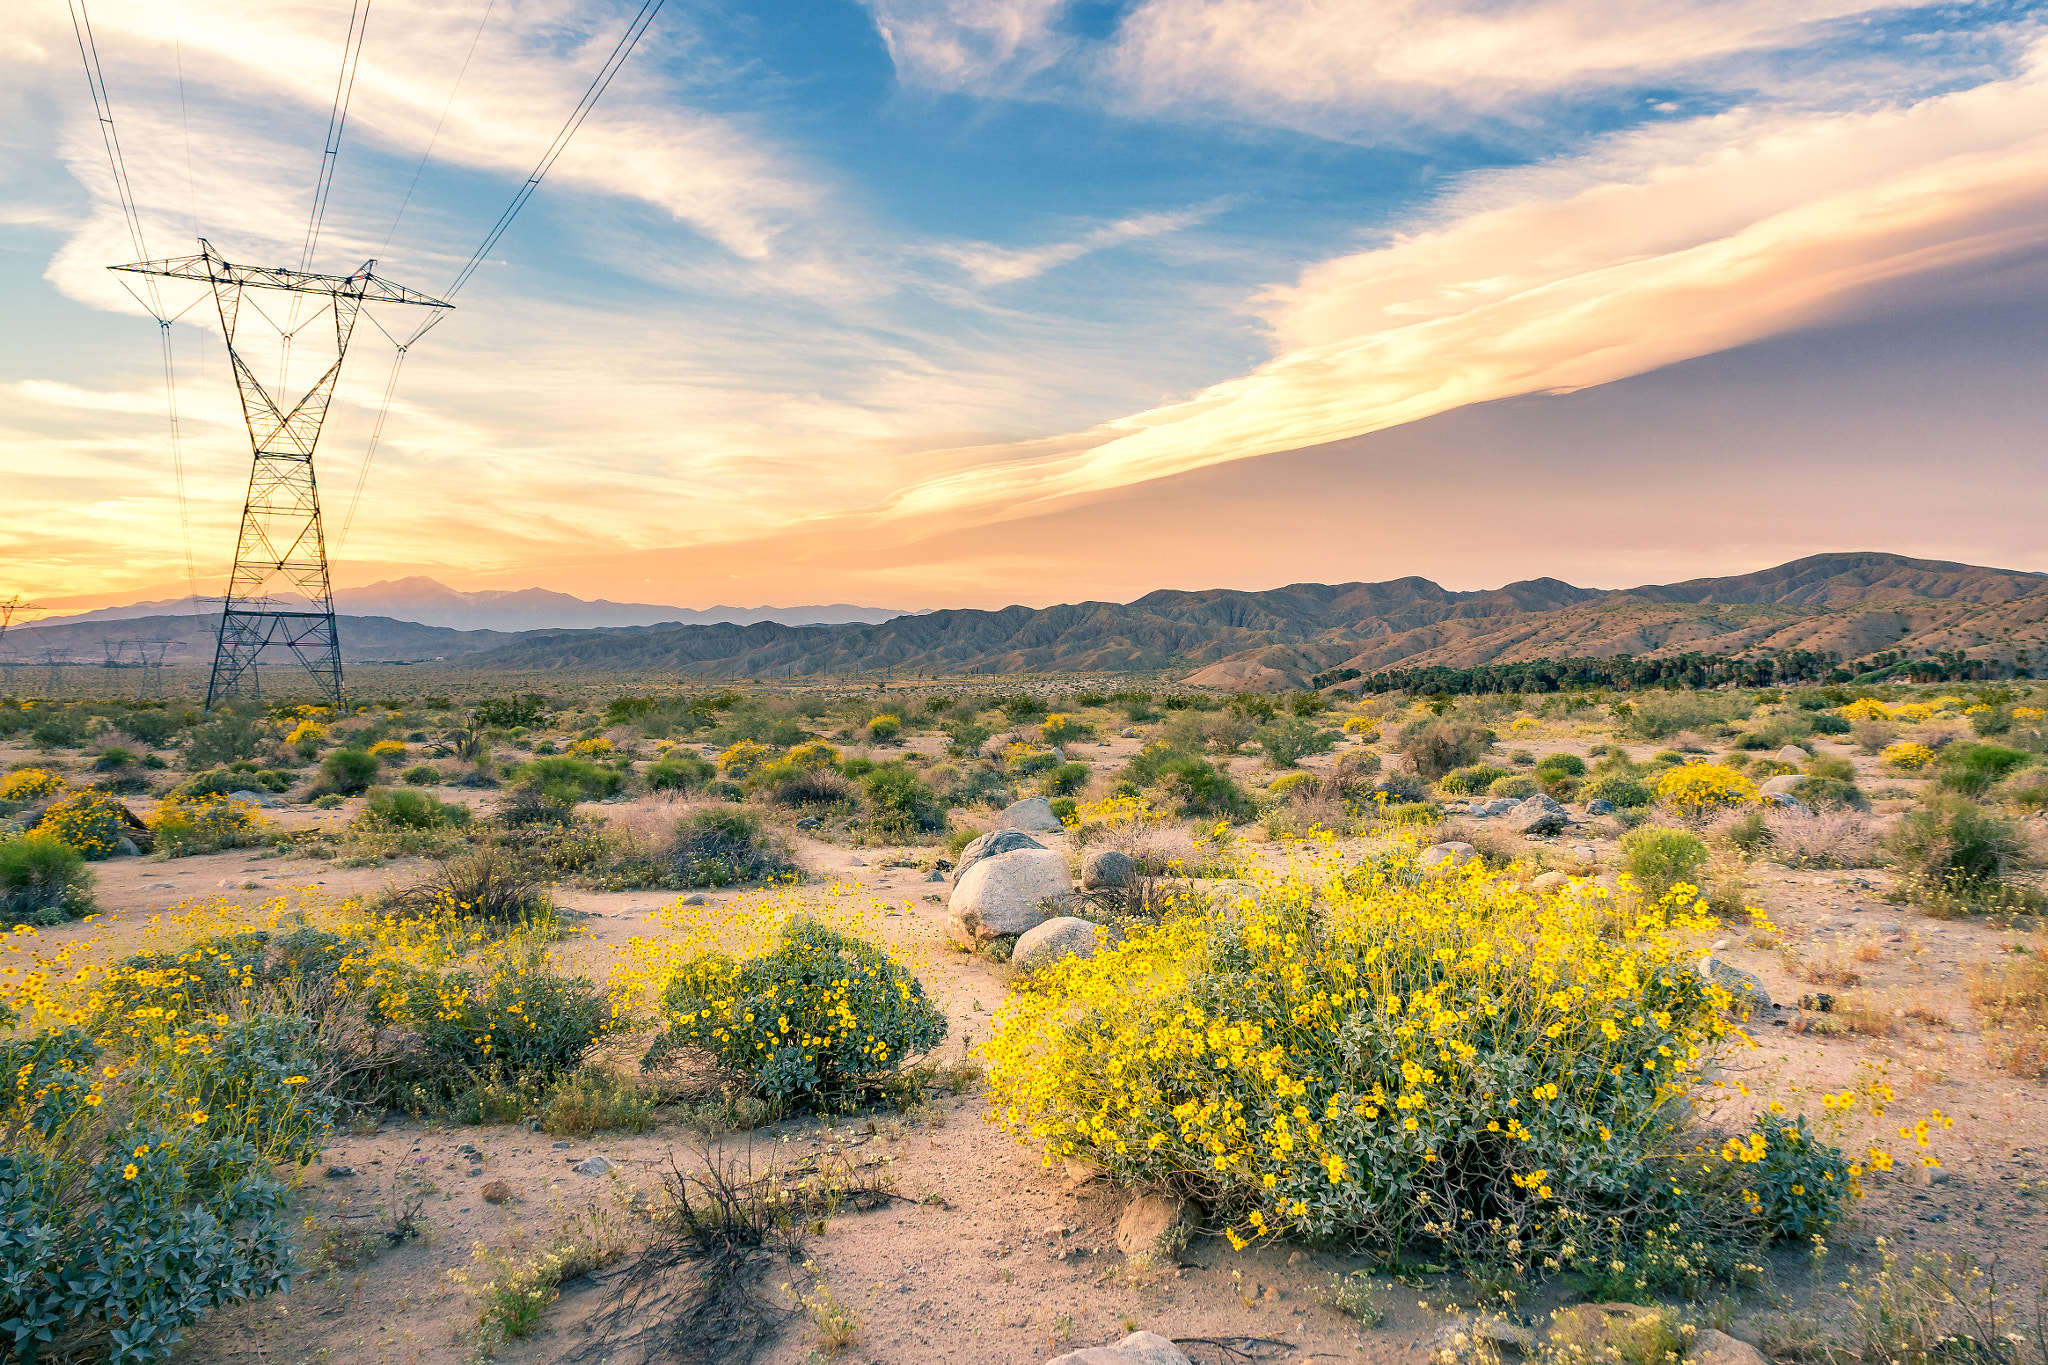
1518 786
1750 832
223 739
1664 714
1436 747
900 801
1198 787
43 880
788 784
1476 778
964 737
1285 740
1828 724
819 1012
1569 765
593 1100
1657 857
1951 846
1065 809
348 772
1972 769
1619 788
411 810
112 759
678 771
882 729
421 775
567 780
726 847
212 782
1065 780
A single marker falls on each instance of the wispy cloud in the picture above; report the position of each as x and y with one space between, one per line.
992 265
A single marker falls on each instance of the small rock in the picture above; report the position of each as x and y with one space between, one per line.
563 1146
1044 944
593 1165
1139 1348
255 798
1107 869
1445 856
1585 853
695 898
466 1149
1744 986
809 822
475 1171
1710 1347
497 1192
127 849
341 1172
1792 754
1599 806
1156 1225
1032 813
856 862
1539 815
1787 801
1128 732
1078 1172
935 876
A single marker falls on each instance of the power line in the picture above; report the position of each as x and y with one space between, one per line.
627 42
452 92
337 121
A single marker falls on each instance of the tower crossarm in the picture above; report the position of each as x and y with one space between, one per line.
208 267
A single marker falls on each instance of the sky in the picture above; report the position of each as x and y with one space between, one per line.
928 303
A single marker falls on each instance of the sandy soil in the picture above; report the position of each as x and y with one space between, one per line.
989 1257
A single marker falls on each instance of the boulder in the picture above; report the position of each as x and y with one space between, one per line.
1599 806
1046 943
1792 754
1537 815
1128 732
1445 856
1107 869
1787 801
988 846
264 799
1784 784
1710 1347
1006 894
1032 813
1139 1348
593 1165
1744 986
1550 883
498 1192
1155 1225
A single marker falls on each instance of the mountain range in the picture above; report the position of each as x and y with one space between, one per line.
1855 604
429 602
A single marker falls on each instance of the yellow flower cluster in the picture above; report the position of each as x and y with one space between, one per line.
29 784
1906 757
1336 1056
1865 708
1698 791
88 821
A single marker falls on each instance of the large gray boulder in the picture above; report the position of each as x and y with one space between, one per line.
1537 815
1784 784
1006 894
1792 754
1139 1348
988 846
1032 813
1443 857
1108 869
1046 943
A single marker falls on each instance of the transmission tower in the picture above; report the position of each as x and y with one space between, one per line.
282 543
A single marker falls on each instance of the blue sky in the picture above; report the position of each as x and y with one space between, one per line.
823 288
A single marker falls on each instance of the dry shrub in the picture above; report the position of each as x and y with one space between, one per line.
2013 998
1829 967
1829 838
1873 736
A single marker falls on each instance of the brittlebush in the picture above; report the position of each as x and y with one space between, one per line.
1377 1054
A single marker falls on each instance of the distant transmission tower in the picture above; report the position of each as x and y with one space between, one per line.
282 543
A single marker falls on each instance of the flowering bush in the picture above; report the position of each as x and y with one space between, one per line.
1866 708
820 1010
1914 712
1061 728
29 784
516 1014
1906 757
1381 1052
1698 791
592 748
89 821
388 751
742 758
206 825
815 755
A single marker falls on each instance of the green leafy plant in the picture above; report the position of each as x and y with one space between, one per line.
900 801
43 880
348 772
678 771
403 809
726 847
1286 740
1658 857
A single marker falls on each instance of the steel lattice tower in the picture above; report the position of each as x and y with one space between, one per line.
282 543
